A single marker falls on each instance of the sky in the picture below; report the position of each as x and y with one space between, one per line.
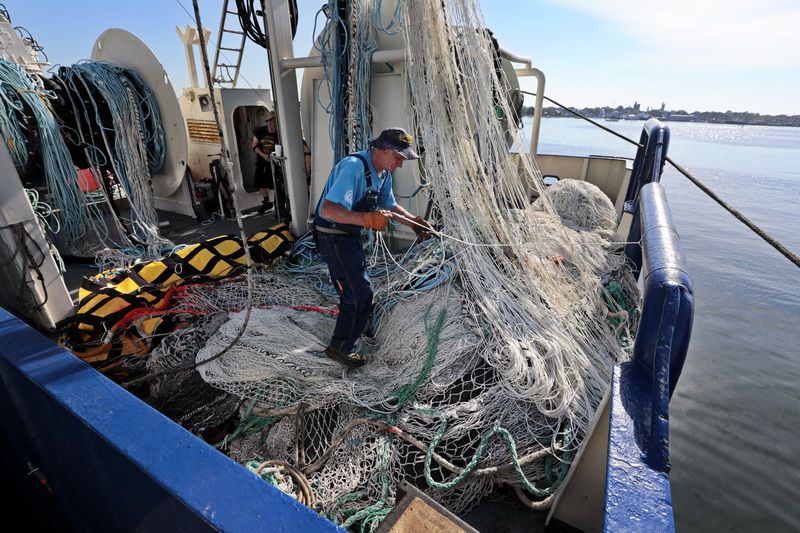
692 55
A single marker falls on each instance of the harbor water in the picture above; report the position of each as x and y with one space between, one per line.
734 417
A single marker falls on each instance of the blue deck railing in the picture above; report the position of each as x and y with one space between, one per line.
647 168
638 496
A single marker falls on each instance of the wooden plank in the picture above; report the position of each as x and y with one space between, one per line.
416 512
419 517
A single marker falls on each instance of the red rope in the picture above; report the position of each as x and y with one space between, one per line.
140 312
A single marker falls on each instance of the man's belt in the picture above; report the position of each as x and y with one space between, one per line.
333 231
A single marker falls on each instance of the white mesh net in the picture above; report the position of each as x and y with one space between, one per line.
494 344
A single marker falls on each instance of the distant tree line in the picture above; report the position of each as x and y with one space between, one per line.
631 113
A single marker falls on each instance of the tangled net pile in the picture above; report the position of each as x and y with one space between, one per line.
493 344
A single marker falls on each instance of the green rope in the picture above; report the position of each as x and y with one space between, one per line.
249 424
530 487
406 393
370 517
616 298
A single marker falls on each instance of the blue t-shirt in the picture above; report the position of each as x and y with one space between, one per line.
347 184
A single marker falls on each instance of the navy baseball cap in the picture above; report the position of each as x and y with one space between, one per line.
396 139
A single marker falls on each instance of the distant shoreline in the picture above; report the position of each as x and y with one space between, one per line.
696 121
709 117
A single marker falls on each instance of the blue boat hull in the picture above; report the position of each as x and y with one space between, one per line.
111 462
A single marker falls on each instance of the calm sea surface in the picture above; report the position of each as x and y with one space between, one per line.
735 415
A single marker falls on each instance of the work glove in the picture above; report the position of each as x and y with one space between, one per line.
423 229
377 220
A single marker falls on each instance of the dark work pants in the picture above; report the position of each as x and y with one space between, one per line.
348 269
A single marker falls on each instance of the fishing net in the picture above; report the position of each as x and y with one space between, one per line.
493 344
434 406
492 347
431 407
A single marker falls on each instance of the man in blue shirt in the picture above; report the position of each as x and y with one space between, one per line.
358 194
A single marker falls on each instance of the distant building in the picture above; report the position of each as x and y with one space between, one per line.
680 118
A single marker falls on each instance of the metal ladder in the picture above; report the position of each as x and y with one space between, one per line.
228 72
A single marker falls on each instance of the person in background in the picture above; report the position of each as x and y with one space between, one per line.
269 176
358 194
